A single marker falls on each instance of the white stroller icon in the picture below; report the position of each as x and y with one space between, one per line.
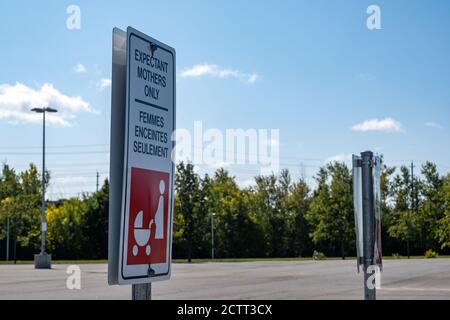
141 234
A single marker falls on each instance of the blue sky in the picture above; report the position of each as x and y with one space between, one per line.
318 72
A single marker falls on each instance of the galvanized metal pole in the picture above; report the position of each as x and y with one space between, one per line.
44 222
141 291
368 222
212 236
7 239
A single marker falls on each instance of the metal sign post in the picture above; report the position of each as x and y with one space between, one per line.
141 291
368 221
367 207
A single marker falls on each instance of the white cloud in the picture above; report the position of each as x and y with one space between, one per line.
252 78
219 164
343 157
434 125
79 68
103 84
17 100
213 70
387 125
69 180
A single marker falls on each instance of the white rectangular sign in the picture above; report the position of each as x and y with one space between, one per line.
148 171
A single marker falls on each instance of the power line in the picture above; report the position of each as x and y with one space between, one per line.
57 153
77 174
226 154
56 147
59 163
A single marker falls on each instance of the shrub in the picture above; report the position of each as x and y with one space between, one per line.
318 255
430 254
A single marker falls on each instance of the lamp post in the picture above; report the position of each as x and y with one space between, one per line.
212 235
43 260
7 239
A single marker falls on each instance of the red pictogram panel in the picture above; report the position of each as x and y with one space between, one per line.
149 208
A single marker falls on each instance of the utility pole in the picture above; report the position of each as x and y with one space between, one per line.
97 181
367 162
302 171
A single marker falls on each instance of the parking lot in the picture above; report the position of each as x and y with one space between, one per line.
332 279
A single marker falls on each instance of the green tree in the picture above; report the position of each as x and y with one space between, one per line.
237 232
9 183
179 240
203 211
317 216
21 203
187 184
298 203
331 213
95 223
444 222
65 229
404 224
270 199
431 207
9 188
342 206
386 183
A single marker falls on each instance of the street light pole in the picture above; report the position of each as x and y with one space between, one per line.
43 260
7 239
212 235
44 220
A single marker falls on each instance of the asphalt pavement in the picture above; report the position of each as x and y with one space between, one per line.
329 279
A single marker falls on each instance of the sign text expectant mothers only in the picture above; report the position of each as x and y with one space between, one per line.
146 223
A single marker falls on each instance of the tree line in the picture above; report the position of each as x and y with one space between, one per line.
77 228
276 217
